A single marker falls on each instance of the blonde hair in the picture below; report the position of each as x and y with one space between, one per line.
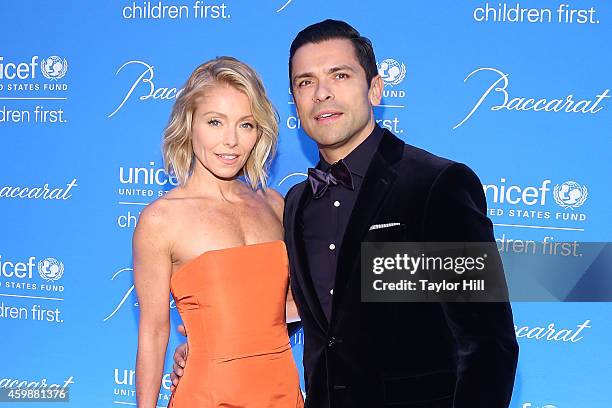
177 146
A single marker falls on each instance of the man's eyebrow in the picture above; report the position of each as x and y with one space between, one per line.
331 70
303 75
341 68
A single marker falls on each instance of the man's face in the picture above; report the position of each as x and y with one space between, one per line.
333 98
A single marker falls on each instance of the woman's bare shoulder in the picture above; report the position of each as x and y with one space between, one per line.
274 199
161 216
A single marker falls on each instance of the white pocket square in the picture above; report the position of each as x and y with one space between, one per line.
387 225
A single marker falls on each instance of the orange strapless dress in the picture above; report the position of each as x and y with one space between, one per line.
232 302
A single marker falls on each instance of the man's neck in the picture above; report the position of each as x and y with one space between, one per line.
333 154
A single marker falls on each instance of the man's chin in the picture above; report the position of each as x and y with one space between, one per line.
328 141
327 137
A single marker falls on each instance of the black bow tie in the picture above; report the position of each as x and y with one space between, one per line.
320 180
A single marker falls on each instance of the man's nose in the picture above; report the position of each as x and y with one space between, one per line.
322 93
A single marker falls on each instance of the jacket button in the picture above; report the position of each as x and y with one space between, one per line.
331 342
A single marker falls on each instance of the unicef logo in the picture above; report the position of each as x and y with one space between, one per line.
54 67
391 71
50 269
570 194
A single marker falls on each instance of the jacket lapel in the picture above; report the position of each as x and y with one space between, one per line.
376 184
300 261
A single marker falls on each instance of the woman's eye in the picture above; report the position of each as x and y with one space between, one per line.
248 125
214 122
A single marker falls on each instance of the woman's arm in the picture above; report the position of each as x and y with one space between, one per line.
291 311
277 203
152 271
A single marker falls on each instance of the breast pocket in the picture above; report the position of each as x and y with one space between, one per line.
395 233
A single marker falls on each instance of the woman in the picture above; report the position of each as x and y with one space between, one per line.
216 243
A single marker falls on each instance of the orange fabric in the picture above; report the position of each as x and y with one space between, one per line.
232 302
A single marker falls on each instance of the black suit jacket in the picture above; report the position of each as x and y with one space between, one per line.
460 355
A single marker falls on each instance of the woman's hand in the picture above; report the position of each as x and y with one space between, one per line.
180 358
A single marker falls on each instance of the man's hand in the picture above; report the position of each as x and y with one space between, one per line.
180 357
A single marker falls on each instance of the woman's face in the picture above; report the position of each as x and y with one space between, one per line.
223 130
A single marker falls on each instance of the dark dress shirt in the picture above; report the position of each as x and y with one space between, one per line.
324 219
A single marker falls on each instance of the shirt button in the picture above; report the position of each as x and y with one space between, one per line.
332 246
336 203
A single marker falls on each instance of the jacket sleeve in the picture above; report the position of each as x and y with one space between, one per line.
487 350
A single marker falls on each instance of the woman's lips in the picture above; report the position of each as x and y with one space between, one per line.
228 158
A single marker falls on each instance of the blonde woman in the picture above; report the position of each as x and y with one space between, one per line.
216 243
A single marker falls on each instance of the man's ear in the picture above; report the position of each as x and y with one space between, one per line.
375 92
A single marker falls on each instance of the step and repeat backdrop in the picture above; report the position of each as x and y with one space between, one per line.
520 91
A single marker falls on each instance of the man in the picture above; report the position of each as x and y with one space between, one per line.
357 354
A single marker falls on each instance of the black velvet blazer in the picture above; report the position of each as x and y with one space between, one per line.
460 355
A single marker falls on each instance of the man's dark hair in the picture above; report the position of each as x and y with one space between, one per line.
333 30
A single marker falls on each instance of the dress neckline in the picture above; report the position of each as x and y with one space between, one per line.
203 254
